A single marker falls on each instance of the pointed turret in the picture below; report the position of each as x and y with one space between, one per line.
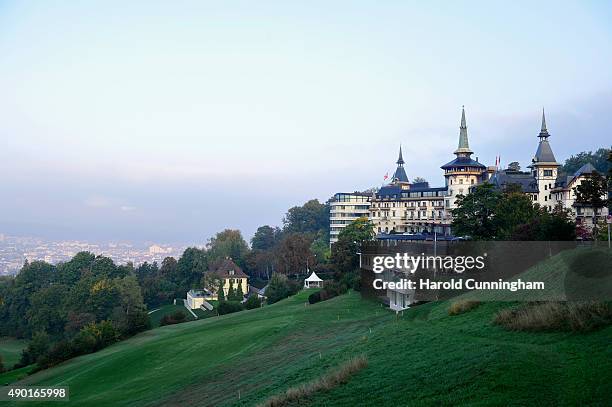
543 129
400 173
544 153
464 146
400 160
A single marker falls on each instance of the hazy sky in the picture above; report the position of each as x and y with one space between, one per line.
169 121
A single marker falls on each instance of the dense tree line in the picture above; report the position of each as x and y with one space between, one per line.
89 302
489 214
73 308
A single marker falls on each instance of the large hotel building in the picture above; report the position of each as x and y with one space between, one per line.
402 207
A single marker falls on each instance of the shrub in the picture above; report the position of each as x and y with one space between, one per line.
463 306
314 297
332 289
555 316
37 347
253 302
176 317
294 395
2 368
58 353
278 288
227 307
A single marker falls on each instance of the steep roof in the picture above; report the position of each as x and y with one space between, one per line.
313 277
587 168
400 172
224 268
501 179
544 153
462 161
400 175
464 145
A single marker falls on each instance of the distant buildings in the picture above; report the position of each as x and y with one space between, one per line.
402 207
14 251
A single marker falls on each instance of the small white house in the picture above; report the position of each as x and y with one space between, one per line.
313 281
197 298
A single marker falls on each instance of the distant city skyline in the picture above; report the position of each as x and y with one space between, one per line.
152 121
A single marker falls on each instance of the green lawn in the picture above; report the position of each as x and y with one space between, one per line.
423 358
10 350
159 313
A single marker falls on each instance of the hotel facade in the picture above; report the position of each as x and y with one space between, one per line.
402 207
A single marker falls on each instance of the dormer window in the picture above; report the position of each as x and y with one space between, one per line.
231 272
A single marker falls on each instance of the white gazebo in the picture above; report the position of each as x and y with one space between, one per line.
313 281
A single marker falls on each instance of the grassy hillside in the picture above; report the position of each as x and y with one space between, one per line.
208 362
10 350
422 358
157 314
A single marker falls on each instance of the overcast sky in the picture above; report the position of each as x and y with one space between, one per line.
169 121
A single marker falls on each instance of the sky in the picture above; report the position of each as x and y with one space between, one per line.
171 121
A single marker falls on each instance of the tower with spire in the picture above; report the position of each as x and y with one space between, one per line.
400 173
544 167
463 172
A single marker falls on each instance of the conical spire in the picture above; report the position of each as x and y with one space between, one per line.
464 145
400 160
400 172
543 130
544 154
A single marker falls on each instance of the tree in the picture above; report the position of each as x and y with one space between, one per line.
220 291
592 192
231 295
192 264
70 271
239 293
513 209
597 159
228 243
293 253
252 302
37 347
278 288
265 238
47 311
475 213
417 180
132 313
344 257
312 217
320 248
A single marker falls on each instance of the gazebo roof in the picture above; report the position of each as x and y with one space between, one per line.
313 277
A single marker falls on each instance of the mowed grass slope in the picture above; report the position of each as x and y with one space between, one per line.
209 362
421 358
10 350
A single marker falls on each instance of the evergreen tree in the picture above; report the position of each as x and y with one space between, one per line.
221 293
230 293
239 293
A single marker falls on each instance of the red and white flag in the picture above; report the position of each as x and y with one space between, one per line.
386 176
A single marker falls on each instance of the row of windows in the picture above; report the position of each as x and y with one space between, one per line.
410 214
348 215
410 204
461 181
349 207
463 169
350 198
